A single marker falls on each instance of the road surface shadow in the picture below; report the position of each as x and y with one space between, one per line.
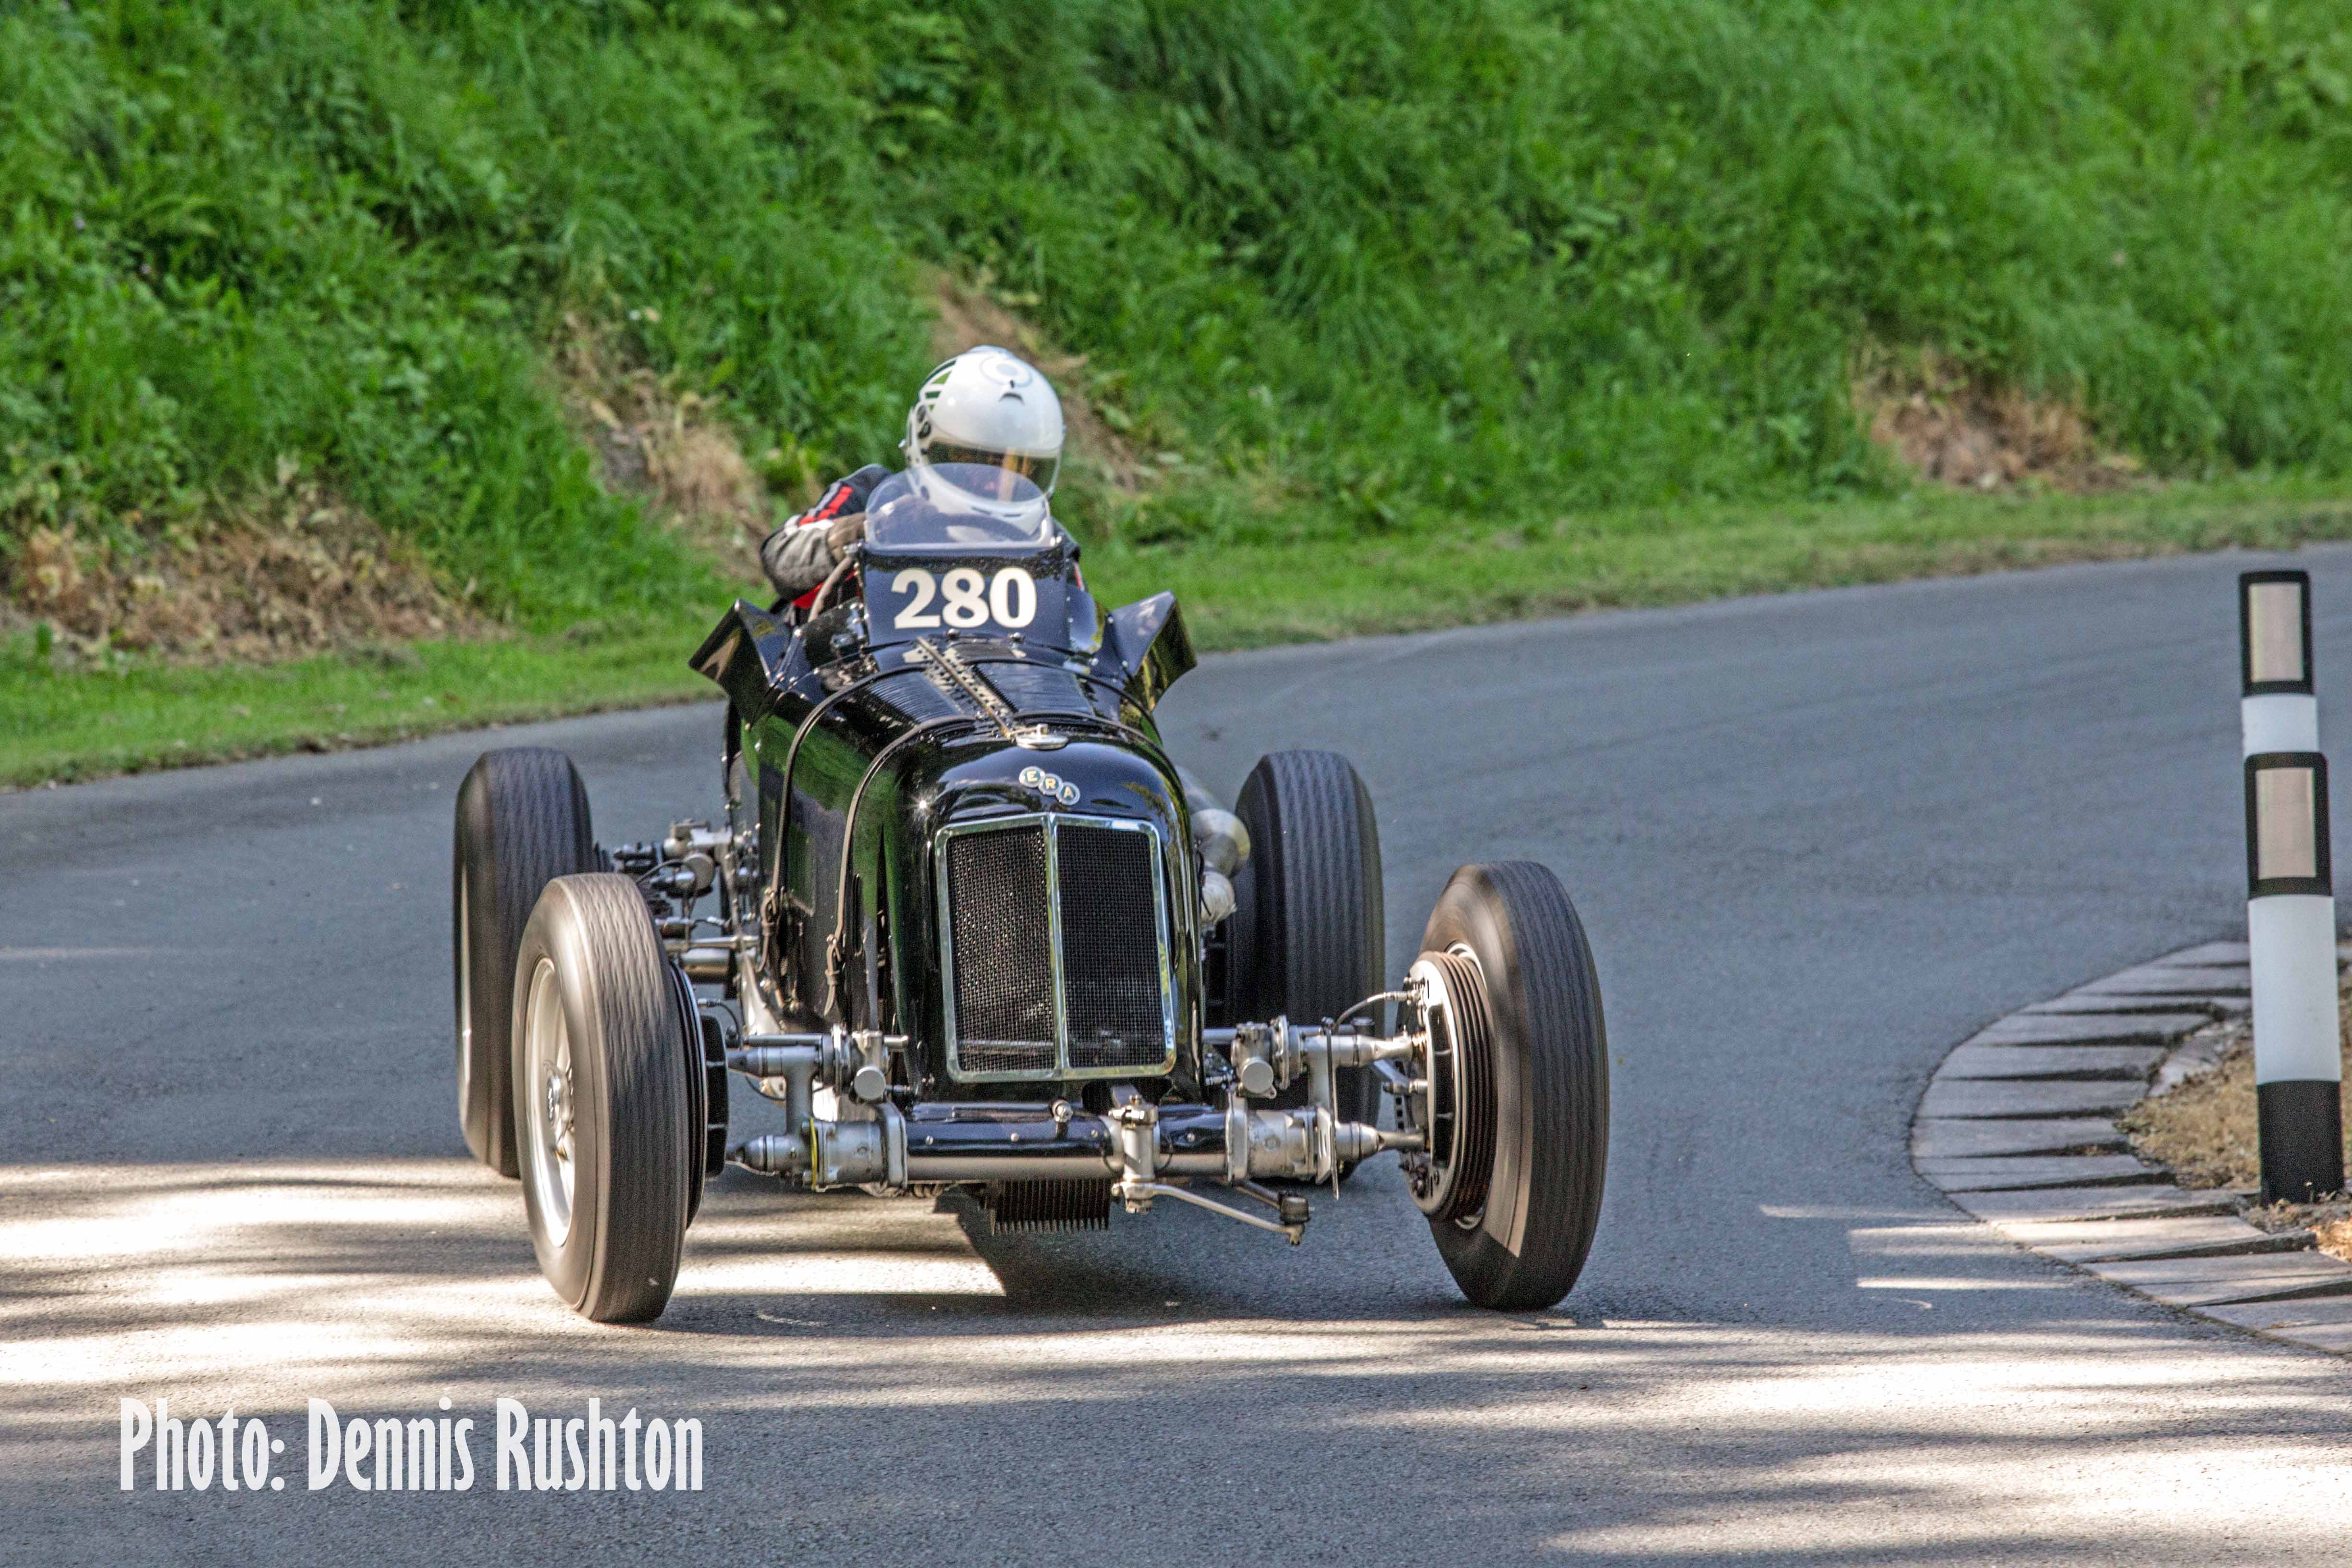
1205 1374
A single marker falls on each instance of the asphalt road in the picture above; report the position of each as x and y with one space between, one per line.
1816 840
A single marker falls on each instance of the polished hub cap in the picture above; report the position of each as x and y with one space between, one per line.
1457 1110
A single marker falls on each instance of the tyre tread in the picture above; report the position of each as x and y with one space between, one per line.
636 1145
642 1199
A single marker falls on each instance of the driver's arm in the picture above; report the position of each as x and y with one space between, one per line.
801 554
798 556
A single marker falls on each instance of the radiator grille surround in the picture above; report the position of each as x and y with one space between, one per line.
1055 951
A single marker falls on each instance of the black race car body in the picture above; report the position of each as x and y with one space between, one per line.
976 932
969 835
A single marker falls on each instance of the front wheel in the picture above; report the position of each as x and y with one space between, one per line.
1518 1108
607 1123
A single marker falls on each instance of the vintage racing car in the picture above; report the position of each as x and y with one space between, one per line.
972 926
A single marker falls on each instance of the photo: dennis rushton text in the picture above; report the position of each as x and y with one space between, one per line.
592 1451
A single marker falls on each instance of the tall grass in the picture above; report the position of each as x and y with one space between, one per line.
1586 254
342 236
1363 266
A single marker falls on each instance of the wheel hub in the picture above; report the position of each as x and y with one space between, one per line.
559 1113
548 1167
1457 1111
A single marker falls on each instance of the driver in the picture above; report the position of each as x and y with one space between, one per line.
982 422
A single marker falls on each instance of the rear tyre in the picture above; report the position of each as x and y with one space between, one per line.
522 820
1308 939
606 1127
1521 1140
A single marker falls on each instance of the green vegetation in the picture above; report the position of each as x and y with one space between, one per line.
1309 589
345 233
1361 277
89 724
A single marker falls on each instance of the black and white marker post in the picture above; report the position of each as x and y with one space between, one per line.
2290 894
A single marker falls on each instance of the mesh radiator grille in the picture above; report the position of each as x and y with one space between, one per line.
1003 952
1110 948
1010 893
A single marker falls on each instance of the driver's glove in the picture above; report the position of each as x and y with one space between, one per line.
800 555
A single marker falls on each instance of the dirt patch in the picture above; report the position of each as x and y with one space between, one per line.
2204 1131
294 573
667 448
1959 430
1099 445
671 451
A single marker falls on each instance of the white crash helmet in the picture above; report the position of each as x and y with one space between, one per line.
986 435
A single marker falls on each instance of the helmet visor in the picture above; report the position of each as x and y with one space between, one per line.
991 474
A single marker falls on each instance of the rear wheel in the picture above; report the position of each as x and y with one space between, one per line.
1306 938
522 820
1518 1113
606 1104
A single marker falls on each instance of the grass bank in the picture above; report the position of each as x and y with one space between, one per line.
1339 268
143 715
465 305
140 714
1270 591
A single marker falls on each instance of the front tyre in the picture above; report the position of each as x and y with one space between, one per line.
604 1105
522 820
1519 1114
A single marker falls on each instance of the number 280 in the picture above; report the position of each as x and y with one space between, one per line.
967 598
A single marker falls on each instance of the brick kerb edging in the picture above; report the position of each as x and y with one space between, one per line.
2016 1127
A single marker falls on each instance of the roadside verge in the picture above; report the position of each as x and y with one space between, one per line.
1298 572
2018 1128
